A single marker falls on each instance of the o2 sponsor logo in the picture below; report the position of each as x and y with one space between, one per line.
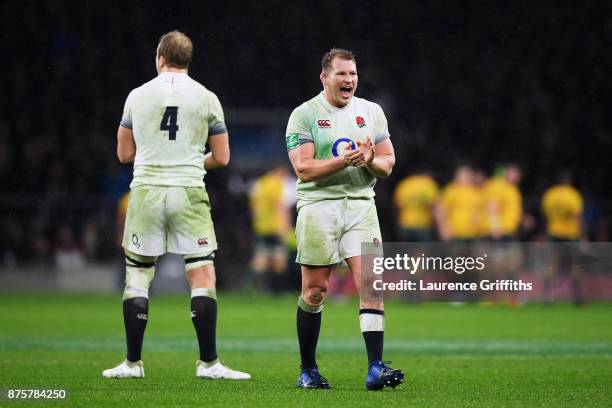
341 145
135 242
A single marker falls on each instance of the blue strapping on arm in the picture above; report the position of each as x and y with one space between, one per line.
217 129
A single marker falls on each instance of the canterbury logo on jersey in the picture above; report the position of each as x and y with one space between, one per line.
203 241
324 123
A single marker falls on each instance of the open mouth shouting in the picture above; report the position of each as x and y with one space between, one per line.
346 91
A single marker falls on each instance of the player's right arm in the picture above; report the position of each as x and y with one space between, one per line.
307 168
219 154
218 138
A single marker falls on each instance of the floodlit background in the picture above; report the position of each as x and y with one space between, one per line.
475 82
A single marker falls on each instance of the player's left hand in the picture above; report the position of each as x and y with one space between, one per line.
368 149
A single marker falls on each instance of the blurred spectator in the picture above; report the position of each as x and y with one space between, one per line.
460 207
503 204
272 197
415 199
503 212
562 206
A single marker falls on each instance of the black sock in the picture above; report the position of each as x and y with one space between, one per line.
374 344
135 316
204 318
308 327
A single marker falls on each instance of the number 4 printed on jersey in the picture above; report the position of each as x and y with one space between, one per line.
169 122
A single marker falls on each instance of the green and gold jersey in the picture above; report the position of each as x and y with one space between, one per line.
266 196
172 117
563 206
415 197
333 130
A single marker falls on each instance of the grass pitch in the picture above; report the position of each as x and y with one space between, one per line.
470 356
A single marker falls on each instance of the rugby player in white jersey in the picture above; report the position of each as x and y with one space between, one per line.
166 125
339 145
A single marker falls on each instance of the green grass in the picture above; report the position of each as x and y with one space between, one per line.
470 356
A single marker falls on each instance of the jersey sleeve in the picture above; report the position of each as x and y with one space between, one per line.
216 118
381 128
298 129
126 117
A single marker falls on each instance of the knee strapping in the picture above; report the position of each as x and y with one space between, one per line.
206 292
307 308
139 272
197 260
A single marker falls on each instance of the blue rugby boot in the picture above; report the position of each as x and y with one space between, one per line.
380 376
311 378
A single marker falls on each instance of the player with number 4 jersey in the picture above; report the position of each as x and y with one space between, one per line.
165 128
172 118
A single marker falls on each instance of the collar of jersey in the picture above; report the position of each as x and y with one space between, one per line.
332 108
166 73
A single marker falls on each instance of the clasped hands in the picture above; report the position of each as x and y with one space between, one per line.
363 155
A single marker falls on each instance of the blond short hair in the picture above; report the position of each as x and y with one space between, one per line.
176 48
326 62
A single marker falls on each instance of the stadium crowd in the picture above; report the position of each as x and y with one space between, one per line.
478 84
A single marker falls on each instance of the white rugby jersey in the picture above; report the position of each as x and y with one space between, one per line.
332 130
171 117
